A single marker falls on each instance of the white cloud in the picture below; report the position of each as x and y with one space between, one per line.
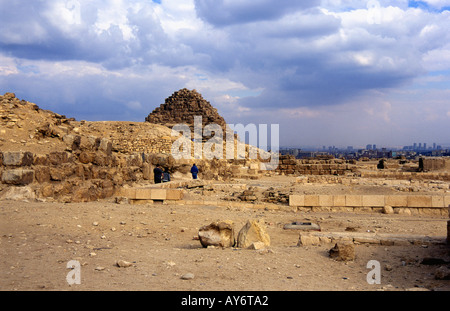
253 59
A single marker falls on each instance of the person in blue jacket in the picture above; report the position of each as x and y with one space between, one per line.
194 171
166 175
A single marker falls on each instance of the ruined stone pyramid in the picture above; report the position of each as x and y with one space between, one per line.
181 108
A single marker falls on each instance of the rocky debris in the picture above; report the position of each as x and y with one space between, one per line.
308 240
187 276
248 195
17 158
442 273
123 264
24 193
181 108
18 177
388 210
253 231
220 233
343 251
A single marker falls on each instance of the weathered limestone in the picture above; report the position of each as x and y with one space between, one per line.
220 233
154 194
339 201
343 251
373 200
326 200
311 200
296 200
182 107
419 201
396 200
17 158
353 200
253 231
18 176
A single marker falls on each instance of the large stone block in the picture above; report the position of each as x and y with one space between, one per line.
339 200
447 201
18 177
326 200
17 158
311 200
396 200
437 201
296 200
219 233
419 201
129 193
143 194
174 194
353 201
158 194
373 200
253 231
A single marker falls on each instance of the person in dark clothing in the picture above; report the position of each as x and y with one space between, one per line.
166 176
157 172
194 171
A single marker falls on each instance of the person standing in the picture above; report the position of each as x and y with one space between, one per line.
194 171
166 175
157 172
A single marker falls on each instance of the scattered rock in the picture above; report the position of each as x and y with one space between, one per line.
220 233
388 209
307 240
253 231
123 264
257 245
442 273
343 251
187 276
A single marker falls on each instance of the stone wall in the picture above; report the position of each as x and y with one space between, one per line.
81 176
436 164
420 204
289 165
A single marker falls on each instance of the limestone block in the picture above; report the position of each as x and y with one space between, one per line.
447 201
326 200
373 200
311 200
253 231
296 200
174 194
220 233
396 200
437 201
419 201
343 251
129 193
17 158
308 240
353 201
339 200
158 194
143 194
18 177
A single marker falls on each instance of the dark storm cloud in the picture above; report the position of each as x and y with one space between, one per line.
225 12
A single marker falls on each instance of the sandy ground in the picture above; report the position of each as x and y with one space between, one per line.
37 240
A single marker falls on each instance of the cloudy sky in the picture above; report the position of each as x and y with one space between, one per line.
330 72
